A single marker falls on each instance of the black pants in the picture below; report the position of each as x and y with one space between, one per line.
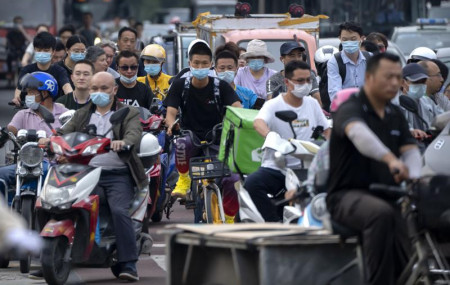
383 231
258 184
119 191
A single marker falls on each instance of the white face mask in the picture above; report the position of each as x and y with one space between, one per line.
301 90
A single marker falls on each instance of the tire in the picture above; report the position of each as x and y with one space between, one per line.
27 212
212 208
198 211
157 216
4 261
55 269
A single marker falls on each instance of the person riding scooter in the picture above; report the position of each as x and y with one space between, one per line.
42 89
120 170
268 178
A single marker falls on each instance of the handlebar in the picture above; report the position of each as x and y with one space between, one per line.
391 191
21 106
205 143
124 148
302 192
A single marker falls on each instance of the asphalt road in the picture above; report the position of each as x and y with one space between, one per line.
151 268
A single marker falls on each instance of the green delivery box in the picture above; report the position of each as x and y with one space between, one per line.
240 144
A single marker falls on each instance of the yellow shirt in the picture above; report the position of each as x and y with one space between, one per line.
159 87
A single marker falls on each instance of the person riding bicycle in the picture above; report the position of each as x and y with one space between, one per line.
154 57
121 171
268 178
371 143
202 100
41 88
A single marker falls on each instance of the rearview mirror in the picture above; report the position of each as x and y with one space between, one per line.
46 114
65 117
286 116
409 104
119 116
441 120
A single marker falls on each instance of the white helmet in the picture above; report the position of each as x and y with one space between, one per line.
422 53
149 145
324 53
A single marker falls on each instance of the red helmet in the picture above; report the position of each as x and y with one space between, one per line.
341 97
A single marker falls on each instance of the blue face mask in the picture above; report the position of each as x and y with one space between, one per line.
350 46
416 91
256 64
152 69
77 56
100 99
227 76
200 73
43 57
127 80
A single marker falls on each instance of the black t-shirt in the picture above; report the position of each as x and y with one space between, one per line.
69 102
69 72
200 114
55 70
138 96
349 169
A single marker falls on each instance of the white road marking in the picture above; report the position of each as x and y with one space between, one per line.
159 245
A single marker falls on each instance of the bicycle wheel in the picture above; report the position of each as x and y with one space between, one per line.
213 205
197 199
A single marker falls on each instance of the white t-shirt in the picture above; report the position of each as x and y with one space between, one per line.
309 116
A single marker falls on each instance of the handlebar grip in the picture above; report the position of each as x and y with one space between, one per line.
11 103
126 148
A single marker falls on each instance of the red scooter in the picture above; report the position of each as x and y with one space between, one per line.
76 224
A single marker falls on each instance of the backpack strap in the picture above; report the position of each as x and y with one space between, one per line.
341 66
217 99
147 82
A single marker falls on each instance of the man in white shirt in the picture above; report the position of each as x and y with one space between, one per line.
268 178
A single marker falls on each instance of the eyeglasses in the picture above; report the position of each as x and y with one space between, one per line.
437 75
301 80
126 67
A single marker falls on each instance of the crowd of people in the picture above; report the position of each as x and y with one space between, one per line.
373 139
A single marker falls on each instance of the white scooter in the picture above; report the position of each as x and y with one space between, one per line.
303 150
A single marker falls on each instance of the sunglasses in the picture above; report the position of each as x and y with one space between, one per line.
126 67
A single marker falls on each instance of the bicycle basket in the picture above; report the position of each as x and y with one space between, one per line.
433 203
207 167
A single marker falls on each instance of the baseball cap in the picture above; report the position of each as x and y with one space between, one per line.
198 44
414 72
287 47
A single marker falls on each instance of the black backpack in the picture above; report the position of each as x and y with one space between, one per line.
323 85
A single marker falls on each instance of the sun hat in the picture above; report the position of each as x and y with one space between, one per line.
257 48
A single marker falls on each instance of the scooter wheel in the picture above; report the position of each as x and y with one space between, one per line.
157 216
4 261
56 270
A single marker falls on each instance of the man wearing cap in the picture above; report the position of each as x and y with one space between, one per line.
434 83
413 86
202 100
255 74
290 51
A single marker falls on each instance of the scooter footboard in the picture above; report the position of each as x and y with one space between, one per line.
55 228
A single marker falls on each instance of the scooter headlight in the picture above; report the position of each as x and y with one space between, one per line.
56 148
92 149
31 155
56 196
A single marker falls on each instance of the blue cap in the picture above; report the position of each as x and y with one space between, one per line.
414 72
287 47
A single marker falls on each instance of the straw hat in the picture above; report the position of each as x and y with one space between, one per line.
257 48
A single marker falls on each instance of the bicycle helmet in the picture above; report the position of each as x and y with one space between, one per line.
421 53
324 53
341 97
149 150
154 52
41 81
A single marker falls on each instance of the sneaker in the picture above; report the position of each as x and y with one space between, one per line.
183 185
36 275
229 219
129 275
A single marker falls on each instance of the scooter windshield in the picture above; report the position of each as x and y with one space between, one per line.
74 139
